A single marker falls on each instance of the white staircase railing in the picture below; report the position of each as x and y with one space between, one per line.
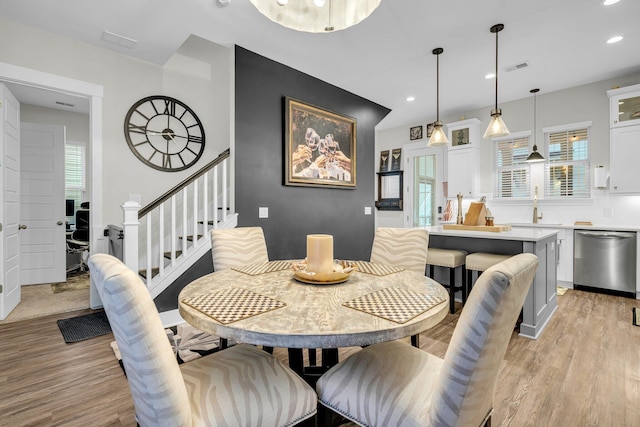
164 238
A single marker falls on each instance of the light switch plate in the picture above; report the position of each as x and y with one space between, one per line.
367 210
263 212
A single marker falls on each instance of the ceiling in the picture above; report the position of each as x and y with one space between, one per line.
387 57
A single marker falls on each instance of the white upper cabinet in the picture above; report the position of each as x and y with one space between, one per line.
624 106
463 158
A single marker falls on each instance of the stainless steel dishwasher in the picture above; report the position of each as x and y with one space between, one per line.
605 260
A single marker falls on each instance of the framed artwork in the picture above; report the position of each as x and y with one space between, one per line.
460 137
384 160
320 147
395 159
429 129
415 132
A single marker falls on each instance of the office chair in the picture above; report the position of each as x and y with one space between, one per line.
78 243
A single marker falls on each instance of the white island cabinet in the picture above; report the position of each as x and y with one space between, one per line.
541 301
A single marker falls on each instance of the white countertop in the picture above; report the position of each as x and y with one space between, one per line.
578 227
529 234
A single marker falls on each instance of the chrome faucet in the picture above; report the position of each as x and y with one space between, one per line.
535 206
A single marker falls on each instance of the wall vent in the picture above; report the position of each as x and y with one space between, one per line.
515 67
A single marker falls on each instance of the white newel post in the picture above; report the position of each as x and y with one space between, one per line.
130 226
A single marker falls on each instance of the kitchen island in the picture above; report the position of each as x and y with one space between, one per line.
541 301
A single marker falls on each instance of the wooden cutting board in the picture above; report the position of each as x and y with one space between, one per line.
492 228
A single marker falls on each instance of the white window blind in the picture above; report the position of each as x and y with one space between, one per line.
513 174
75 174
567 169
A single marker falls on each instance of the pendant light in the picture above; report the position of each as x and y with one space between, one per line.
496 127
534 156
438 136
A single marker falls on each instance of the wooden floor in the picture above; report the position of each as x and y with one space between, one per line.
583 371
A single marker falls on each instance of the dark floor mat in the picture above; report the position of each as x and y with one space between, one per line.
84 327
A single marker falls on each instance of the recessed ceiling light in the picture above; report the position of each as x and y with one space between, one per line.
411 98
615 39
490 76
609 2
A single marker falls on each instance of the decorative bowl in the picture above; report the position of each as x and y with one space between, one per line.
341 272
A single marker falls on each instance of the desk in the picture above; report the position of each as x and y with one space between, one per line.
314 316
541 301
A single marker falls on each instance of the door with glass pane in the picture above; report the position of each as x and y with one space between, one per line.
424 183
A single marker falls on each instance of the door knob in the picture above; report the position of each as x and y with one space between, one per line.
59 222
21 227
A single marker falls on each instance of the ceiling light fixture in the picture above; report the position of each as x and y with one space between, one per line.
438 136
489 76
411 98
316 16
496 127
615 39
609 2
534 156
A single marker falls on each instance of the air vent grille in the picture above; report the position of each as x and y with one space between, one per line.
515 67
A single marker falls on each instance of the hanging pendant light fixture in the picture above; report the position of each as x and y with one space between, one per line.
438 136
316 16
496 127
534 156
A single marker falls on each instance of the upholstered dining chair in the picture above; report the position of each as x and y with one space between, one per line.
232 247
402 247
242 385
393 384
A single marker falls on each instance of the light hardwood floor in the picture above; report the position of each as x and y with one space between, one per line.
583 371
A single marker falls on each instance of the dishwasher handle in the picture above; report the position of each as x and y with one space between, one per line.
607 234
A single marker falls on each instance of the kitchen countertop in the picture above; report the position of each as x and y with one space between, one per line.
523 234
577 227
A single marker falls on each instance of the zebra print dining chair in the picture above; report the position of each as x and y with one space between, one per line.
393 384
239 386
233 247
401 247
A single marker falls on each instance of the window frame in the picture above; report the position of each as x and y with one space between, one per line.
586 163
82 188
520 166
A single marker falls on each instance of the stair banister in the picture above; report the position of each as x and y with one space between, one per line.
164 226
130 228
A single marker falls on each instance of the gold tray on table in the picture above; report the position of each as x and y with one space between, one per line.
340 274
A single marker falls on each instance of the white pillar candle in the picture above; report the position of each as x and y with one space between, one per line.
320 253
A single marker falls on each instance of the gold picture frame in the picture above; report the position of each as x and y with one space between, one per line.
320 146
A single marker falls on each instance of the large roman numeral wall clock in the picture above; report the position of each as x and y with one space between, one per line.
164 133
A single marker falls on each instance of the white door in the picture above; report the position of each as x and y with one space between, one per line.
423 193
10 202
43 241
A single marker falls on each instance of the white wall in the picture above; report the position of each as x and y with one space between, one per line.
198 74
582 103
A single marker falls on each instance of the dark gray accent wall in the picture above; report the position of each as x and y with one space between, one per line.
260 87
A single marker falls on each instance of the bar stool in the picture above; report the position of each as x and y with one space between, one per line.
481 261
451 259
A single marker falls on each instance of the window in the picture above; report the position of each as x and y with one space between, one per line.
424 175
75 173
567 167
513 174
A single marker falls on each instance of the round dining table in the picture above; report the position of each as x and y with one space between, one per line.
310 315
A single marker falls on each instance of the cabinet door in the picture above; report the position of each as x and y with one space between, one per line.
625 151
461 172
625 109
